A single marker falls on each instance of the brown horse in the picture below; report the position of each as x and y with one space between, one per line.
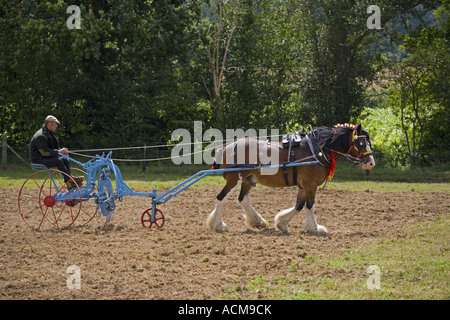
329 143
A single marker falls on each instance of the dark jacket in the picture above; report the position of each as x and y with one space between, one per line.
43 145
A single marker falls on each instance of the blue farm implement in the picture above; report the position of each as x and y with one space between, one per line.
44 197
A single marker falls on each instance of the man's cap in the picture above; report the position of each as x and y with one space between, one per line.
51 119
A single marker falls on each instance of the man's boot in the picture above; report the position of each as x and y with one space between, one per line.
73 182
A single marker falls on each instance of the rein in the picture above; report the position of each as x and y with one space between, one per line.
355 160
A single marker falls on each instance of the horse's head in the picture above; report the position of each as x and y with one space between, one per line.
360 148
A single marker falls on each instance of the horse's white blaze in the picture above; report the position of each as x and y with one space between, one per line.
252 217
371 163
310 224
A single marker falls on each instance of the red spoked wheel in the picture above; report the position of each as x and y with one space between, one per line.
29 201
61 213
146 219
39 200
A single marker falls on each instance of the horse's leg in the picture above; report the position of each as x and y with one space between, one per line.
282 218
253 218
310 224
214 221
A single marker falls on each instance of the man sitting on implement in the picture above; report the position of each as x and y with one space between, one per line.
45 149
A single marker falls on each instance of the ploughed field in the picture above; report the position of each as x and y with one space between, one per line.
184 260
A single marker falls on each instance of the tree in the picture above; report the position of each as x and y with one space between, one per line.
276 65
113 82
423 83
262 66
342 53
410 82
215 39
417 94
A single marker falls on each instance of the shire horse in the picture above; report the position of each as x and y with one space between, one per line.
342 140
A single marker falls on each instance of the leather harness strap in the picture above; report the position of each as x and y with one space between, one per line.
291 158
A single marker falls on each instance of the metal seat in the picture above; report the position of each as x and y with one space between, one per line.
38 166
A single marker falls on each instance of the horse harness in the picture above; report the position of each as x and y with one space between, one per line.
292 140
289 141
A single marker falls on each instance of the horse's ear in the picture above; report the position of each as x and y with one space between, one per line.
359 129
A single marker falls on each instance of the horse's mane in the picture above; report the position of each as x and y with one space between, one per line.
334 138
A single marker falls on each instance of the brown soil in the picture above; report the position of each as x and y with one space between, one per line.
183 260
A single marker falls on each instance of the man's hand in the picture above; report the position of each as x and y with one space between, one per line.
64 151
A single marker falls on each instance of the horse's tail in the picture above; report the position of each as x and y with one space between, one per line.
217 161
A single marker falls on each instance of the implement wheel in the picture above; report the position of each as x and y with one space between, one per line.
146 219
39 200
62 214
29 201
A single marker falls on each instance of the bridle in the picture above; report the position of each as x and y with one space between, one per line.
358 142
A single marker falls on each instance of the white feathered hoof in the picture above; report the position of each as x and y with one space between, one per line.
216 227
317 230
214 221
256 223
282 227
263 224
221 227
311 226
283 217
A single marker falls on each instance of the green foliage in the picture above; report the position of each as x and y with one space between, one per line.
429 50
114 79
418 91
137 70
386 135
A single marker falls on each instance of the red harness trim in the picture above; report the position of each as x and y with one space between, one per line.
350 149
332 166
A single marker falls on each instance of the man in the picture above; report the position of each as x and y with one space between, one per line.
45 149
